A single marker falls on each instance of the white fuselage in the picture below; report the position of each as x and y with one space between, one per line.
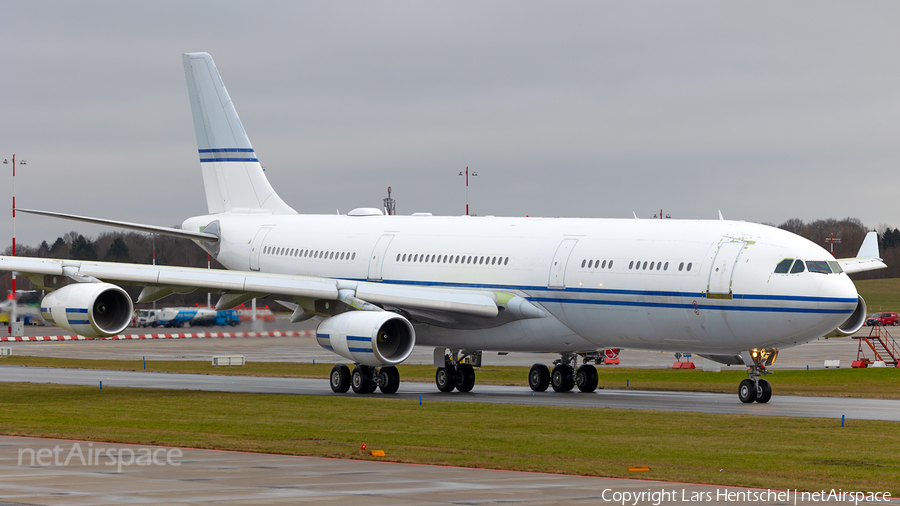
702 286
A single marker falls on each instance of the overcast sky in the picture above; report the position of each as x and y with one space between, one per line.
765 110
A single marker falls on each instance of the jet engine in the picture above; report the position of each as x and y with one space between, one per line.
89 309
854 323
374 338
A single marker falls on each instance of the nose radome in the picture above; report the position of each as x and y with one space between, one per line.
838 287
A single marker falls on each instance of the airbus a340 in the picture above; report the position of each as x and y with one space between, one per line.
380 284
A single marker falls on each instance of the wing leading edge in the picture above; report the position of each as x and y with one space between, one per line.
239 286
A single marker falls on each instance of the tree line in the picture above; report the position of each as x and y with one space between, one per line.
123 247
136 247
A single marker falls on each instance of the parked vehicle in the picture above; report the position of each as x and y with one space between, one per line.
883 319
177 317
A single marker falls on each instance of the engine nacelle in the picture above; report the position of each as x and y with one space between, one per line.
375 338
89 309
854 323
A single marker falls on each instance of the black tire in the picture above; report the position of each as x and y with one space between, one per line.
586 378
445 378
390 380
562 379
361 380
763 392
747 391
340 379
465 377
539 377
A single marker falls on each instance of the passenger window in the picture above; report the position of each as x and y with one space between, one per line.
818 266
784 266
506 261
689 266
666 267
604 265
645 265
631 264
681 266
651 265
494 261
658 265
445 258
798 267
583 263
610 264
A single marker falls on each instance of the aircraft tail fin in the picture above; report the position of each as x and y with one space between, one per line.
232 175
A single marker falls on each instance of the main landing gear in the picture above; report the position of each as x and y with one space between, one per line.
456 370
364 379
565 375
756 388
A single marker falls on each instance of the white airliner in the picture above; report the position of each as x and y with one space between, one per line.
731 291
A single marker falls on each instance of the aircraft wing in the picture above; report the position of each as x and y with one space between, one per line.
237 287
867 259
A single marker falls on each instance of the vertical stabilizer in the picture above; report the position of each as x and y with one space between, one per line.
232 176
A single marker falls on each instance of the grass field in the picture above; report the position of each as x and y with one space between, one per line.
880 383
776 452
880 294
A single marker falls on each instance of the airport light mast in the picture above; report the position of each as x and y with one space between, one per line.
467 186
832 240
12 295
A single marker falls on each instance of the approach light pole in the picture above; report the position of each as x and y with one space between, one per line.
12 295
467 186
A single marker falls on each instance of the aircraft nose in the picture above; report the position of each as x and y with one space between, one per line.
838 287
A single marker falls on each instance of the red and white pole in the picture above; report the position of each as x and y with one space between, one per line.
12 296
467 197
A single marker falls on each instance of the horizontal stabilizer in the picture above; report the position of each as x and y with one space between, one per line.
152 229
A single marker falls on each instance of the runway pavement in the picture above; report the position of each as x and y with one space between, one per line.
199 477
780 405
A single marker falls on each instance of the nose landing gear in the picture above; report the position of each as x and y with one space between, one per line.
755 388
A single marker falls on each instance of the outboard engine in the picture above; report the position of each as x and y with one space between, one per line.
89 309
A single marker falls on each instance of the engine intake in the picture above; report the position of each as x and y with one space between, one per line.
89 309
854 323
374 338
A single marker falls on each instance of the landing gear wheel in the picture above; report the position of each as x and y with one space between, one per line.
747 391
340 379
389 380
361 380
539 377
445 378
763 392
586 378
465 377
562 379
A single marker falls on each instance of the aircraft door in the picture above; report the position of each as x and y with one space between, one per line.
256 247
376 261
558 266
722 271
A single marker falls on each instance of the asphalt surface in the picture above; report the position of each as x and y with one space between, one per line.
201 477
780 405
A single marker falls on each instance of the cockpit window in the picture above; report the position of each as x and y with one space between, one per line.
784 266
835 267
818 266
798 267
